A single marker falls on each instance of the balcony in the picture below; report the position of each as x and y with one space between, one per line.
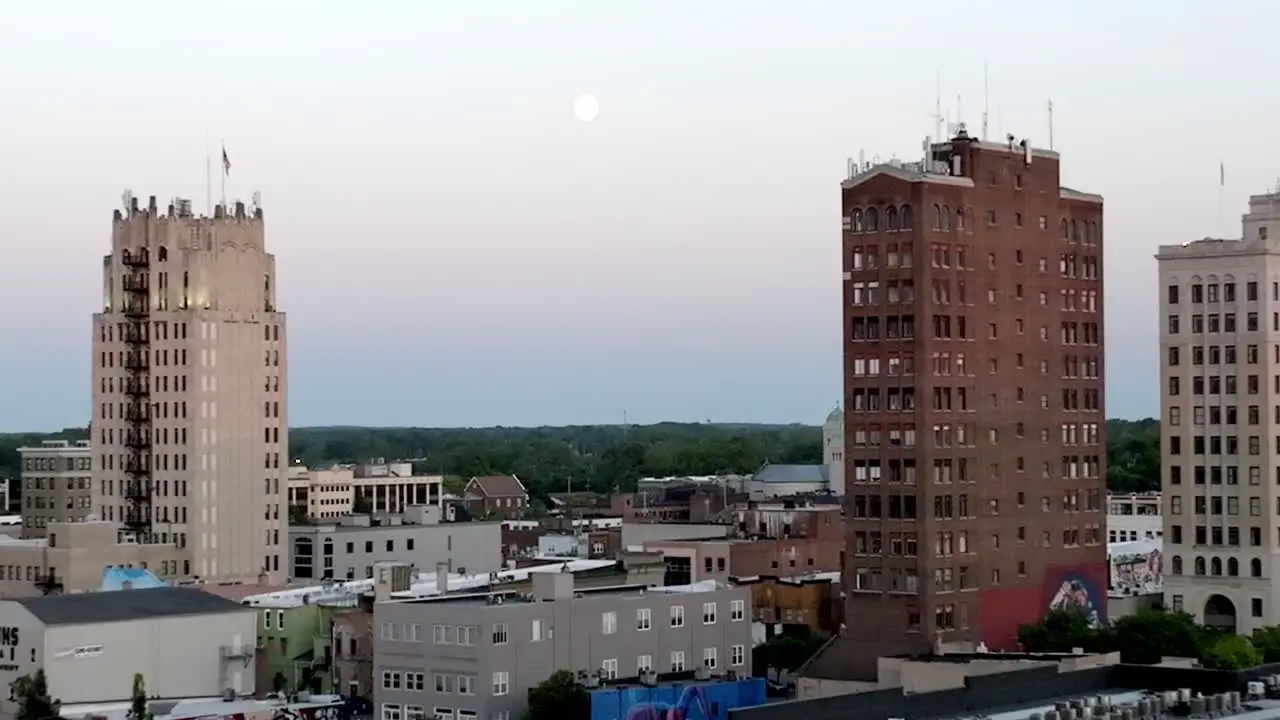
137 360
137 388
137 412
135 333
137 307
137 440
137 517
136 282
138 259
136 468
138 489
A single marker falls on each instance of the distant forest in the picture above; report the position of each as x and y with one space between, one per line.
602 457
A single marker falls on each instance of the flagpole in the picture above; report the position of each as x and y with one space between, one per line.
1222 183
225 172
208 177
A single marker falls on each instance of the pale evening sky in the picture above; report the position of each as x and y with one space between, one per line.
455 249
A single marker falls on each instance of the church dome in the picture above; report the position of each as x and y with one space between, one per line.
836 416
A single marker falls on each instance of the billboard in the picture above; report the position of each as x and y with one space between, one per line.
711 700
1135 567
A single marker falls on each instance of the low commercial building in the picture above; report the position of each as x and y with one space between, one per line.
348 550
184 641
477 656
72 556
327 493
1133 517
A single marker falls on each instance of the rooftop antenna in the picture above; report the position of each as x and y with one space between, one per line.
1050 108
938 117
986 99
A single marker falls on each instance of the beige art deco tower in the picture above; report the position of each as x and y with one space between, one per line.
189 386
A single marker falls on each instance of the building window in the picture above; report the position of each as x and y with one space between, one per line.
709 658
644 619
677 616
501 683
677 661
609 622
391 712
737 655
390 680
737 610
443 713
415 712
443 683
539 628
415 681
644 663
609 668
466 685
709 613
499 633
1256 606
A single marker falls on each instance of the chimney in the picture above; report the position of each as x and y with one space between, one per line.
442 577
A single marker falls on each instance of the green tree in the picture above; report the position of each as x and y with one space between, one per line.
1267 641
139 706
1230 652
1148 636
34 701
559 696
1059 632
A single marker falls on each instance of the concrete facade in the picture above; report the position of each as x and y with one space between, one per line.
1220 432
190 386
477 657
1134 516
57 484
90 652
349 553
72 557
376 488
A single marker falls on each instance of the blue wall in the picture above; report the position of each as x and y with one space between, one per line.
691 701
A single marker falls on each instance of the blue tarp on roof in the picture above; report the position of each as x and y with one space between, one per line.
137 579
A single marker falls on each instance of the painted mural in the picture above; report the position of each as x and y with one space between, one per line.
1072 589
1136 567
701 701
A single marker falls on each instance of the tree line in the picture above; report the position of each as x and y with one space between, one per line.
1149 636
603 457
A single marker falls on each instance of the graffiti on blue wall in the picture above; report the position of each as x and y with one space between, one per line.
677 701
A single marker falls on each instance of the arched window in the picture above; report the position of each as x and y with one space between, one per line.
1199 565
872 220
961 214
856 219
125 256
906 217
163 254
1088 237
1175 567
1215 567
1233 567
1255 567
891 218
937 217
1097 236
1066 229
1075 231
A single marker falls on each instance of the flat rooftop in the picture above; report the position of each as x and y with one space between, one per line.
618 591
186 708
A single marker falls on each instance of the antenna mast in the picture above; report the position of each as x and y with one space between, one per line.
937 112
1050 106
986 99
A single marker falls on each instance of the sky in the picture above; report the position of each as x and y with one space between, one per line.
455 249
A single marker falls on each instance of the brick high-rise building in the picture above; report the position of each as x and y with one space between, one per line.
974 454
189 386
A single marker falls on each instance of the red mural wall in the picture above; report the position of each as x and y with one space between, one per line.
1002 610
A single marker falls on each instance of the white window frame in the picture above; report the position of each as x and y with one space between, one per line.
466 685
442 713
678 661
737 656
501 635
644 663
501 683
644 619
392 711
415 681
710 658
609 669
608 622
709 613
391 680
737 610
677 616
538 630
415 712
443 683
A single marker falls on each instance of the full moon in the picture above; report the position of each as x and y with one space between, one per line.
586 108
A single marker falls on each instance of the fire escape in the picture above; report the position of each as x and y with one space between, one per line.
137 389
